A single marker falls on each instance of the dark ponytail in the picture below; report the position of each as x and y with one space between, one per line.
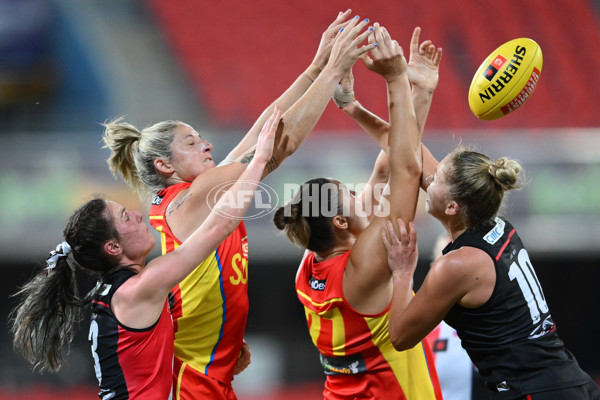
44 321
49 306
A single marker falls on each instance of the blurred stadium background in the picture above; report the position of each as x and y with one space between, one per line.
68 65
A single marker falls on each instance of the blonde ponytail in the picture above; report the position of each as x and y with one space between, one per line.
122 139
133 153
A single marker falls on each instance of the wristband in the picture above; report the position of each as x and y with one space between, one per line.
343 98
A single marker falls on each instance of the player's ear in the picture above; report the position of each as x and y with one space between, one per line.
163 166
452 208
340 222
113 248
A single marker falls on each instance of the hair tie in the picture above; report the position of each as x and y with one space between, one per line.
62 250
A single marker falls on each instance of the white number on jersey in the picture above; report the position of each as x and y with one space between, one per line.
528 282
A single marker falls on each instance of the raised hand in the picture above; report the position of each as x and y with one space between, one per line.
346 50
387 58
424 63
328 38
266 138
402 252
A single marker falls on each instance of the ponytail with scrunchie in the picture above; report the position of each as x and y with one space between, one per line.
62 250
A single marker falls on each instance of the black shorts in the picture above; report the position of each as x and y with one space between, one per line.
589 391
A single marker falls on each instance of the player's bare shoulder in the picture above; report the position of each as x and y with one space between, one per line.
178 202
470 271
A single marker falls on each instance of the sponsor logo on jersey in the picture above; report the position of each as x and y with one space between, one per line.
157 200
245 246
317 284
496 233
102 290
544 328
440 345
348 365
105 289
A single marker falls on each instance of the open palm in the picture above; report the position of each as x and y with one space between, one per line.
424 63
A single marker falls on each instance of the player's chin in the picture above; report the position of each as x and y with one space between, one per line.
209 164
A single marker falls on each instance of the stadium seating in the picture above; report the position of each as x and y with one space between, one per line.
241 55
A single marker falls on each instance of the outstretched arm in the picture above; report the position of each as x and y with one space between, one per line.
301 118
423 73
292 94
345 99
367 282
141 302
371 196
226 214
377 128
191 208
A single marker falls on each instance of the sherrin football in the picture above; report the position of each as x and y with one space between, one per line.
506 79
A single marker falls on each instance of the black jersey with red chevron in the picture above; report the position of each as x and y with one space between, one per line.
512 339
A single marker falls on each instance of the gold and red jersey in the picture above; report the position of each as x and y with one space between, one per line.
356 351
210 306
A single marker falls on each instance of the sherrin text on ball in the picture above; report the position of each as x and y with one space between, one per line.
506 79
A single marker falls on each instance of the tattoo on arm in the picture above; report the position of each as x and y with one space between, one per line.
177 203
248 157
271 165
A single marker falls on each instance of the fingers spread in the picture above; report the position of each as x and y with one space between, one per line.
425 46
364 57
361 38
438 57
377 33
414 40
386 241
349 28
396 49
342 15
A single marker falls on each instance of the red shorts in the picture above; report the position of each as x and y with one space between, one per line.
380 385
190 384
